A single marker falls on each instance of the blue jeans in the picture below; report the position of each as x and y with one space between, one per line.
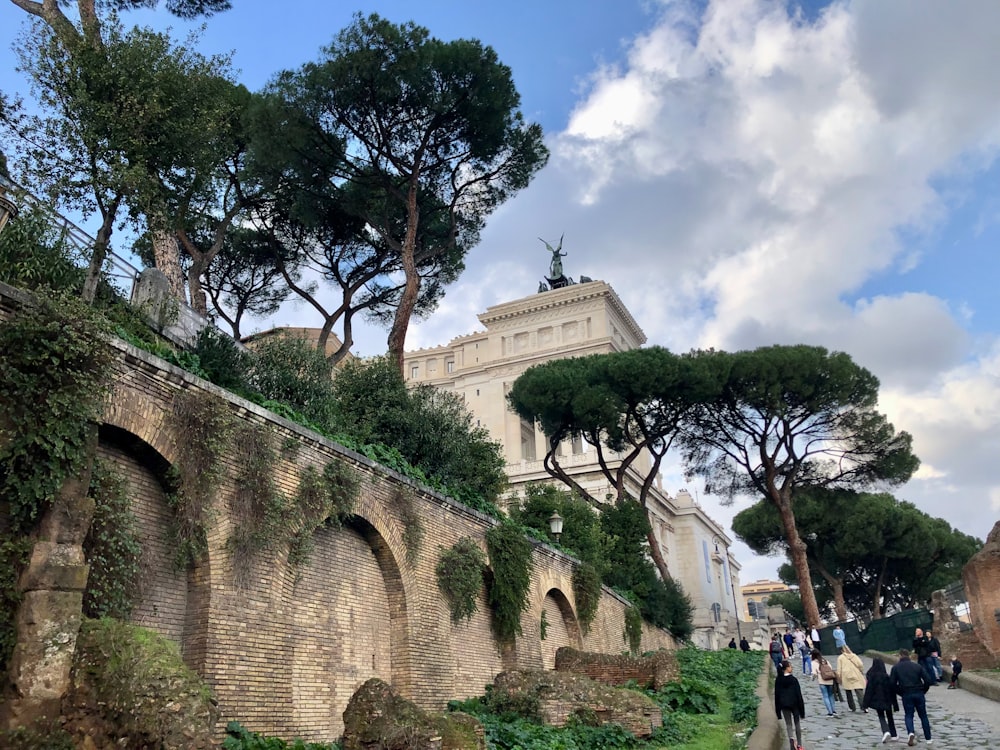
807 663
827 693
935 667
928 666
916 702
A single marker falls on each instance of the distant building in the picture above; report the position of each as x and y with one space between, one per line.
755 596
573 320
310 335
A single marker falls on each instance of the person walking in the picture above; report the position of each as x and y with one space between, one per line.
789 641
732 643
910 682
839 638
934 657
880 696
788 704
825 675
922 650
851 676
776 652
807 666
744 644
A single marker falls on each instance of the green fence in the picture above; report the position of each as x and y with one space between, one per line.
887 635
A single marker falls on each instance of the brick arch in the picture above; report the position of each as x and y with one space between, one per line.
351 623
169 599
144 418
562 626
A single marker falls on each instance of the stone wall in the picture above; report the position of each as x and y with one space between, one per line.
981 576
652 671
285 653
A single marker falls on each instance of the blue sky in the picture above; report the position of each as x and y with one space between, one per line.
743 172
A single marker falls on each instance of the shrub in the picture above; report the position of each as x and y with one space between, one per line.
510 559
290 370
460 577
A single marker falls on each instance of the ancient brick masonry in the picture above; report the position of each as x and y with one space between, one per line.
652 671
285 655
981 576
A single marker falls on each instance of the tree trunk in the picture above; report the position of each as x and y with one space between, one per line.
839 605
797 551
877 598
411 290
167 258
199 302
657 555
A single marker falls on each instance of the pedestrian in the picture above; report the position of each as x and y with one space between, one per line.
807 665
934 658
789 641
839 638
825 675
956 670
910 682
788 704
744 644
732 643
880 696
851 676
814 637
776 652
922 650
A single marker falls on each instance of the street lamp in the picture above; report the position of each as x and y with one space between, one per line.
555 525
736 611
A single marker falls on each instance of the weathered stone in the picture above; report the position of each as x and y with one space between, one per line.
378 717
55 566
561 695
652 671
981 576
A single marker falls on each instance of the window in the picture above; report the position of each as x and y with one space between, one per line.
708 561
450 365
527 440
717 612
415 371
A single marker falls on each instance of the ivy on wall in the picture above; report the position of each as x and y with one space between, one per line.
202 427
321 499
112 548
510 559
460 577
413 527
587 592
633 629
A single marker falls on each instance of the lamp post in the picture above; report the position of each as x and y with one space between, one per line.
556 525
736 611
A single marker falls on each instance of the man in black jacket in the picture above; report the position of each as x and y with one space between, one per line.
934 657
922 650
910 682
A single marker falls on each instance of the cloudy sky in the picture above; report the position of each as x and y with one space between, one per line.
742 172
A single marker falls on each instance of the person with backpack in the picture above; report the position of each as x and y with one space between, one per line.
880 696
776 651
827 679
788 704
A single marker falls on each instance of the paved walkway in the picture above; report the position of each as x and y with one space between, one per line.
959 720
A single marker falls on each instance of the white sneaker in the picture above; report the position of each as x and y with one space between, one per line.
885 737
913 740
930 742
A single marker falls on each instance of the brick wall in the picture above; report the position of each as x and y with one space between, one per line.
285 654
653 671
981 577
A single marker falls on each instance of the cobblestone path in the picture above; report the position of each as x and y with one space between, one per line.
959 720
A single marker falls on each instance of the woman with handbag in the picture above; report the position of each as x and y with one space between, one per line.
851 676
827 679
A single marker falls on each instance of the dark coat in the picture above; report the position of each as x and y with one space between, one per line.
879 693
908 677
744 645
788 694
921 647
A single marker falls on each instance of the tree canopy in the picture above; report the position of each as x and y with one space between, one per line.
791 417
431 136
628 405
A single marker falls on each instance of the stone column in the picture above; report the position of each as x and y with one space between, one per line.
48 618
981 576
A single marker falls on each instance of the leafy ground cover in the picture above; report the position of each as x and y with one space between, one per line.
712 707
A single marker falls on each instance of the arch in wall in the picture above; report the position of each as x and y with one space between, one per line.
561 627
351 624
166 594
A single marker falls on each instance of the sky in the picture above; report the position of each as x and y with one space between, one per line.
743 173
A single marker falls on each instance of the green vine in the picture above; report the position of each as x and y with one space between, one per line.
260 513
633 629
413 527
202 427
328 499
112 548
460 577
55 367
543 628
510 559
587 591
14 555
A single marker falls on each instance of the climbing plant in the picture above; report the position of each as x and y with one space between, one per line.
321 499
260 513
112 548
633 629
587 591
202 428
460 577
55 367
413 527
510 559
